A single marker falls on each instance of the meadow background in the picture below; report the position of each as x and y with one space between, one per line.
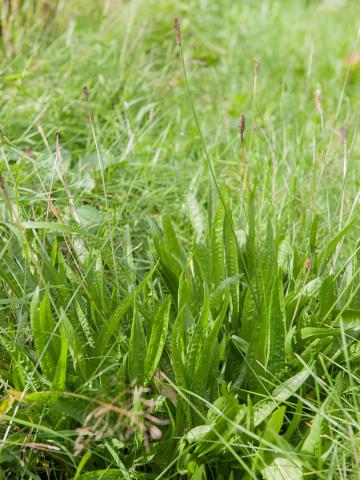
161 317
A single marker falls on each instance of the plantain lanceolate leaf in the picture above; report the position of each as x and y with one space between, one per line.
170 239
223 417
59 380
232 267
177 347
258 322
206 358
157 338
137 351
327 298
283 468
171 256
169 268
202 265
76 348
197 338
113 323
285 390
45 334
313 233
276 327
218 246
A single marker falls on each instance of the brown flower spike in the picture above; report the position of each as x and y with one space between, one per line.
177 31
86 94
242 126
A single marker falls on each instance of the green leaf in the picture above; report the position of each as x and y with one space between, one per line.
197 338
45 336
327 298
223 416
60 373
200 473
107 474
313 233
177 347
270 435
202 263
232 266
218 246
76 348
197 433
52 226
206 357
281 393
137 351
169 268
276 328
85 326
283 468
312 443
259 325
275 423
157 338
170 239
112 325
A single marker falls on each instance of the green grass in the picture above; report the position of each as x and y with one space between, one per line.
157 319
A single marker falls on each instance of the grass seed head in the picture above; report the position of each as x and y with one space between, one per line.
86 94
177 31
242 125
256 66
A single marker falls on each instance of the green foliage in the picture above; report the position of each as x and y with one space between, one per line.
199 365
156 319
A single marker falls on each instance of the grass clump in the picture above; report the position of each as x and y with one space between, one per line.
176 303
